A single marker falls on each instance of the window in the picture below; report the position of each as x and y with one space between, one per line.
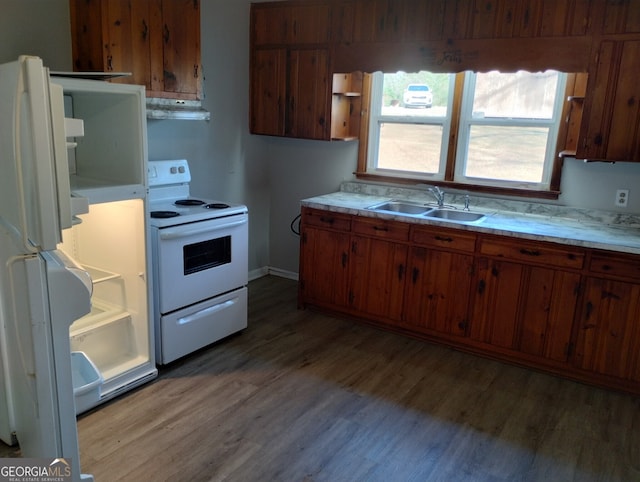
493 129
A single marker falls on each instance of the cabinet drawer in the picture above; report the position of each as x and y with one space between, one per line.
622 266
326 219
443 239
533 253
381 228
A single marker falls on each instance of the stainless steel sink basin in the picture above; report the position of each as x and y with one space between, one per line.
452 215
400 207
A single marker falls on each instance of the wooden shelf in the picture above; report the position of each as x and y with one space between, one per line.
346 106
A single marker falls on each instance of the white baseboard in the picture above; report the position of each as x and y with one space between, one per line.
266 270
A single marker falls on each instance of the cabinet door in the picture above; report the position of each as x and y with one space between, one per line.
377 277
274 24
114 36
324 261
437 289
268 91
611 120
527 309
308 108
608 338
180 74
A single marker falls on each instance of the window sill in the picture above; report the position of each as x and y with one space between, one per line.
503 191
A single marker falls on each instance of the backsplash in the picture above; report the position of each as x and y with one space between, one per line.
494 204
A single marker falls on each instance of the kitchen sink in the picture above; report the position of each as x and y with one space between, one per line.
452 215
400 207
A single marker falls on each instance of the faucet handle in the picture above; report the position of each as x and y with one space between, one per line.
466 202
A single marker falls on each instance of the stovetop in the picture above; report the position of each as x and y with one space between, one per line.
170 202
171 214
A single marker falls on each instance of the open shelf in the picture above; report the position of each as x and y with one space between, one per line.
346 105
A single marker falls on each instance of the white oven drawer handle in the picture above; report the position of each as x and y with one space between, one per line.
207 311
183 233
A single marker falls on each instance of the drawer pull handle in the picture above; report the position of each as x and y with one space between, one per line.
530 252
445 239
380 228
326 220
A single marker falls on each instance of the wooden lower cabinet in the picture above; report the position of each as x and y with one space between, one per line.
523 308
438 283
324 259
608 330
572 311
377 277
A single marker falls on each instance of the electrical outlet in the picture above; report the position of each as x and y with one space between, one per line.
622 198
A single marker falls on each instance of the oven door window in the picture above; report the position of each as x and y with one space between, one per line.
206 254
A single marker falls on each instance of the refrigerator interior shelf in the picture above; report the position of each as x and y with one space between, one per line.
120 366
102 313
99 275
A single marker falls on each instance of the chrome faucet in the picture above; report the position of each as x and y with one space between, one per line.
466 203
438 194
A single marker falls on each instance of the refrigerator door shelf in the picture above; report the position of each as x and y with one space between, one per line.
86 381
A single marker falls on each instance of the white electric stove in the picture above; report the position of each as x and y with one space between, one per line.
200 263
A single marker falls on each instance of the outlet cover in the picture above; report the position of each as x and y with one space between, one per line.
622 198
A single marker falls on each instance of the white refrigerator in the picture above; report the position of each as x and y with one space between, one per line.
76 325
42 291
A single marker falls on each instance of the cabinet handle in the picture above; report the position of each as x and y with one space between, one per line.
445 239
530 252
344 260
165 36
145 30
414 275
481 286
195 71
588 310
109 62
327 220
400 272
380 228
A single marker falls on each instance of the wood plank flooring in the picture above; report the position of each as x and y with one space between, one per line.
301 396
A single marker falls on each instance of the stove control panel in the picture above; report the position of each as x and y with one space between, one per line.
162 173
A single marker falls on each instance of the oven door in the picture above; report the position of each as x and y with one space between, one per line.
200 260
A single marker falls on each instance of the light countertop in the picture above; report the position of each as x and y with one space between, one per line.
535 221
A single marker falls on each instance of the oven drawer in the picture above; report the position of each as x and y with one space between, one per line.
187 330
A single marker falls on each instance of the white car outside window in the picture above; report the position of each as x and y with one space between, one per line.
417 95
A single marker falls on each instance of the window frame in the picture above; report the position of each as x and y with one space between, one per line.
365 172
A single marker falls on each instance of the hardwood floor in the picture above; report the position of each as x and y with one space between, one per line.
300 396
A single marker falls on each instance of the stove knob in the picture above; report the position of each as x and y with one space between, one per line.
174 170
181 169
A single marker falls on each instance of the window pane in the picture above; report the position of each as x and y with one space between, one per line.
410 147
507 153
422 94
519 95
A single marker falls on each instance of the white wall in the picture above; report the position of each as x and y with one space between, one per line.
36 27
270 175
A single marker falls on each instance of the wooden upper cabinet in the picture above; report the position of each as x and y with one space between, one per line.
610 127
158 41
293 23
621 16
412 21
308 115
181 70
268 91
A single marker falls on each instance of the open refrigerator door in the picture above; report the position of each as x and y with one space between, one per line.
41 291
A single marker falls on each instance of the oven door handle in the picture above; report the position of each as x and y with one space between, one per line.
183 233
